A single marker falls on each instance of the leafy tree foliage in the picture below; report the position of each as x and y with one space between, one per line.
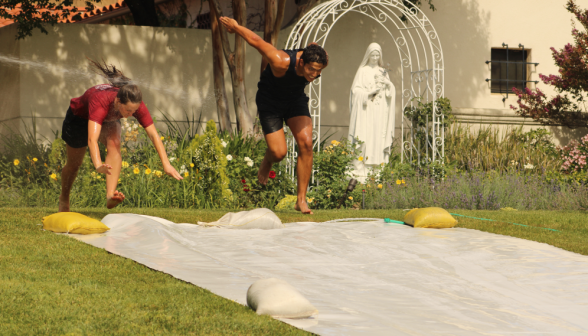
31 14
571 83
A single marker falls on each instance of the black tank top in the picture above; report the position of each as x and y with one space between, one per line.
285 88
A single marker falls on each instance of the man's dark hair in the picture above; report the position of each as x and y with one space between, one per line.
314 53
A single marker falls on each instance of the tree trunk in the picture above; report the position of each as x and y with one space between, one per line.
220 93
236 62
274 15
144 13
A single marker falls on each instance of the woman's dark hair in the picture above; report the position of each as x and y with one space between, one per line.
314 53
130 93
127 92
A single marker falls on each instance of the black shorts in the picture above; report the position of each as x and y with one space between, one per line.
75 130
273 114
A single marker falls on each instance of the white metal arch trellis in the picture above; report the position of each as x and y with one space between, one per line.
421 65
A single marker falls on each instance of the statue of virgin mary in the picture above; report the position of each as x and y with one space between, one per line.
372 105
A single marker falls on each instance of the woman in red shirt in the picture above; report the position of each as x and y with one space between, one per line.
95 117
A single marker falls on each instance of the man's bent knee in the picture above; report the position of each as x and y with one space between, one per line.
278 156
305 147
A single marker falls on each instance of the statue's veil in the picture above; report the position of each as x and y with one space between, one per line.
373 46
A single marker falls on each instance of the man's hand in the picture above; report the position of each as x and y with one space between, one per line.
104 169
229 23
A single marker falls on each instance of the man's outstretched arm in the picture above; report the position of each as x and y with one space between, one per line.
277 59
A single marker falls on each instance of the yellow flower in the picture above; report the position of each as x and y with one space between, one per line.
16 162
53 176
351 198
344 153
191 165
147 171
118 180
136 171
398 181
382 164
44 164
403 182
379 186
309 200
157 173
335 143
360 158
162 138
125 164
35 160
186 174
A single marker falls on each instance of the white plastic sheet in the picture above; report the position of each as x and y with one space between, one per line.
366 278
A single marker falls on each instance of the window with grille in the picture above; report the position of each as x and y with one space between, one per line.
508 68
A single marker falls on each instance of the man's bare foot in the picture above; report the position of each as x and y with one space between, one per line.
63 205
264 170
303 207
115 200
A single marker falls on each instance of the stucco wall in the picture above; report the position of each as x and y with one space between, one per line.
9 81
171 65
468 29
174 68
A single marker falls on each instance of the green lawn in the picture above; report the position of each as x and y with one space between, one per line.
52 284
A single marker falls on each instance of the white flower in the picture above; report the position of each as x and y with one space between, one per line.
135 126
250 163
229 157
171 159
223 143
183 169
529 166
247 159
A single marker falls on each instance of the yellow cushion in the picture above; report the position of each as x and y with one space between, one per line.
430 218
73 222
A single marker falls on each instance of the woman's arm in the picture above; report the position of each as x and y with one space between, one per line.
277 59
156 140
94 129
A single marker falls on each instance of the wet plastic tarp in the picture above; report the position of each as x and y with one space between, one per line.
369 278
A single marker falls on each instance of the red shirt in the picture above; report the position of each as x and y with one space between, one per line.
97 102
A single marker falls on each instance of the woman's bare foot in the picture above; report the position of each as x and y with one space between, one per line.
115 200
303 207
63 204
263 172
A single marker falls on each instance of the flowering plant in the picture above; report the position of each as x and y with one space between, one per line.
574 155
572 82
246 154
333 167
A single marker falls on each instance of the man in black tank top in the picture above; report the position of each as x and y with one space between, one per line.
280 98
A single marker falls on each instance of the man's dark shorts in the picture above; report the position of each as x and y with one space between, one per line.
75 130
273 114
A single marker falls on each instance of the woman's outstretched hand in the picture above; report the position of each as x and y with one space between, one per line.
229 23
171 171
104 169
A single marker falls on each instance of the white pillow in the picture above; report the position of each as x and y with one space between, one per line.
278 298
260 218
